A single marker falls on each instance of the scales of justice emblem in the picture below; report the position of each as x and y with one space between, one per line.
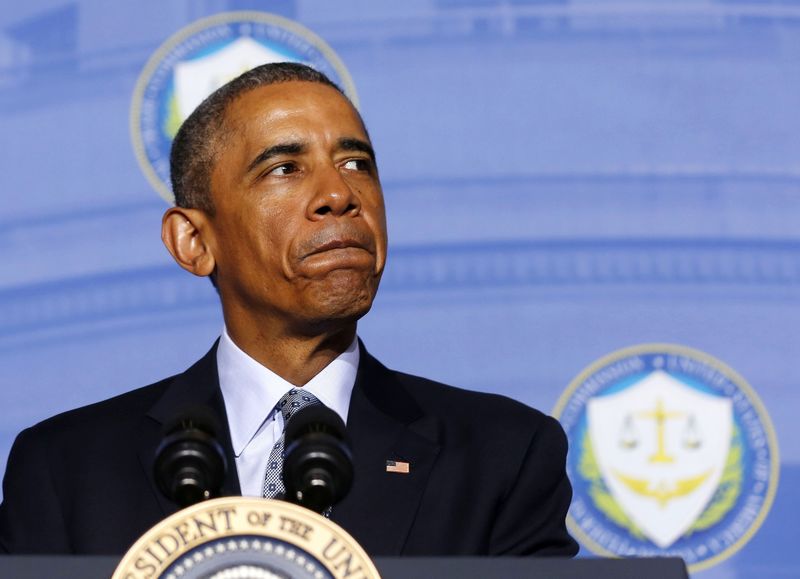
669 453
672 453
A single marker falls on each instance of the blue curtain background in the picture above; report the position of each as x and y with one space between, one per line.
563 178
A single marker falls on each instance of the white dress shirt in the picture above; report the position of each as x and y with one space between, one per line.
251 392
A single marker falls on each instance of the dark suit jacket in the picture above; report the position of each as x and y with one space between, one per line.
486 473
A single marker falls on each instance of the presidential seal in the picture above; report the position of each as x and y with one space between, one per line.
671 454
246 538
200 58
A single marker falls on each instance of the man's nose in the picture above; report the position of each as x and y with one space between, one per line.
333 195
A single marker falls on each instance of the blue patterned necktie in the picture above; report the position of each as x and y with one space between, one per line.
288 405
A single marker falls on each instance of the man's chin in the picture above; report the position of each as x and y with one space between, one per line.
341 301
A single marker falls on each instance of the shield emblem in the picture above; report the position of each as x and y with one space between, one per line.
198 78
661 447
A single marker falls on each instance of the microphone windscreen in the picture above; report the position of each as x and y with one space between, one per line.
190 463
314 418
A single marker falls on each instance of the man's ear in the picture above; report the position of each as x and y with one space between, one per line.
186 234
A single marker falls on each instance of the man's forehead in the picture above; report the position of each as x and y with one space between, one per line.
291 99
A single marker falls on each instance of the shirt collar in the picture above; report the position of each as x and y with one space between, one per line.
251 390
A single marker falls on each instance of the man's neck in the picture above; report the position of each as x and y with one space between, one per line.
295 358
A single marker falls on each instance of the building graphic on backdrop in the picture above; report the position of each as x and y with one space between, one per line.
671 453
200 58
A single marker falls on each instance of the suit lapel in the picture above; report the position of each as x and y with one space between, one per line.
198 386
385 423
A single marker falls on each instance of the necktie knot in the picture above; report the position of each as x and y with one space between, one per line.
294 400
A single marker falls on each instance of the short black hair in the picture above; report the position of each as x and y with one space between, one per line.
201 134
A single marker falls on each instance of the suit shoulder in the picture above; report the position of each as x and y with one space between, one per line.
451 401
113 412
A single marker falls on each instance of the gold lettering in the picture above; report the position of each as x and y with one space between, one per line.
256 518
203 526
154 556
145 566
227 513
329 556
183 529
167 550
346 563
295 527
345 558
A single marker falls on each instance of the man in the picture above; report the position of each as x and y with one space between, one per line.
278 201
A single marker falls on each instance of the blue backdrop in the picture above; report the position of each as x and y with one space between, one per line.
563 179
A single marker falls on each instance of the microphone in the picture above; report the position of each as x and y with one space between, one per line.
318 466
190 463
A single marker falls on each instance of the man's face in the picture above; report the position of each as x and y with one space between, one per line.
299 231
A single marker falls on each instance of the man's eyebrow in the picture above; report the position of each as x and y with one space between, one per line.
275 151
353 144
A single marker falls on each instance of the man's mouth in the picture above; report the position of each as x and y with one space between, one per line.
337 244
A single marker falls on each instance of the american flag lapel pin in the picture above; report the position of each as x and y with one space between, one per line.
398 466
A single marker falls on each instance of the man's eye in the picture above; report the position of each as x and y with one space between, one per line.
357 165
284 169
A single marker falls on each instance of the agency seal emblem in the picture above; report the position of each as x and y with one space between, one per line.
200 58
671 453
246 538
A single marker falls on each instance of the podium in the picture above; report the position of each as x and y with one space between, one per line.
36 567
248 536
